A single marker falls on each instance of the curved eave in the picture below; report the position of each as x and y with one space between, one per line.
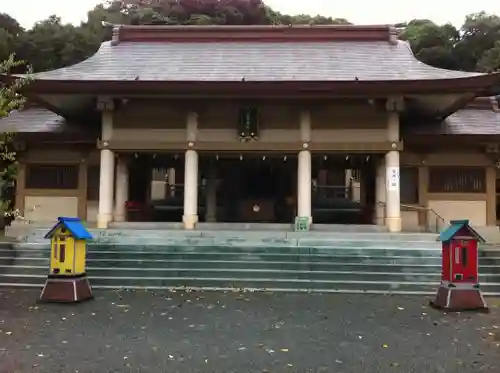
481 85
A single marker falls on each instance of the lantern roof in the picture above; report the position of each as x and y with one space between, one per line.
459 227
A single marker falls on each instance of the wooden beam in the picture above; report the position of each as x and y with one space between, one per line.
255 146
491 196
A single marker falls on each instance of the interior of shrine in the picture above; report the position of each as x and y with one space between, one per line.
252 188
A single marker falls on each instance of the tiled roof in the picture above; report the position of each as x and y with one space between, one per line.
33 119
223 61
468 121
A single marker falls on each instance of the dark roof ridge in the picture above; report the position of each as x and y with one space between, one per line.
262 33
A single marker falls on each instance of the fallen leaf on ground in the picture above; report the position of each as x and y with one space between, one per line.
284 350
385 346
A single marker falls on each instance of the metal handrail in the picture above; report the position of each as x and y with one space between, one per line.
439 218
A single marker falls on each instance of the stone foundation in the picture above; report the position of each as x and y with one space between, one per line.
67 289
459 299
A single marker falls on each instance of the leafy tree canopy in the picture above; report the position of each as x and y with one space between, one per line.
10 99
51 44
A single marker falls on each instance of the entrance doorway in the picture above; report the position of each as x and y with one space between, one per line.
257 189
343 189
253 188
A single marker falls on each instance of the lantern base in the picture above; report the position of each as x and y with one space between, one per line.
66 289
456 299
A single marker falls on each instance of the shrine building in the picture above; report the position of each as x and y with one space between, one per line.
258 124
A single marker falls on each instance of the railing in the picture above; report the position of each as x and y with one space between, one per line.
333 191
439 220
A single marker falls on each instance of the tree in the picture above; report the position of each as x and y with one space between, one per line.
479 34
51 44
490 61
190 12
10 30
473 47
10 99
431 43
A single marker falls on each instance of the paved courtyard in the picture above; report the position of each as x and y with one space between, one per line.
243 332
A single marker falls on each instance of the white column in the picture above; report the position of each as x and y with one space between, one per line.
380 194
107 171
190 217
106 186
121 194
393 206
304 185
304 177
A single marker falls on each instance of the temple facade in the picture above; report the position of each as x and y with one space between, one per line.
261 124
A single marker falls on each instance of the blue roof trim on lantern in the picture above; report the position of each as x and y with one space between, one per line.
455 227
74 225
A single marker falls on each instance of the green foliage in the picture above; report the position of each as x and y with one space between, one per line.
10 99
490 61
52 44
473 47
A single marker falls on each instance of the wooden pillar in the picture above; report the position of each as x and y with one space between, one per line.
491 197
20 187
423 195
82 189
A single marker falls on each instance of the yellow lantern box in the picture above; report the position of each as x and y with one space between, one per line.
67 280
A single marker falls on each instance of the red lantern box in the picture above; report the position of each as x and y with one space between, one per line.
459 289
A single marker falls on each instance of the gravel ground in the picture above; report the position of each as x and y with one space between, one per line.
243 332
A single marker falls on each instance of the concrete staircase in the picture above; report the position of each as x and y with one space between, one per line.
360 260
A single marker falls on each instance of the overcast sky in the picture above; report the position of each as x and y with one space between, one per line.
357 11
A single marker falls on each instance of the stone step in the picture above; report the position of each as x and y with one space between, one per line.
225 282
298 272
204 226
305 273
309 270
294 250
333 260
233 253
262 284
120 234
396 256
209 257
142 257
22 264
132 264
